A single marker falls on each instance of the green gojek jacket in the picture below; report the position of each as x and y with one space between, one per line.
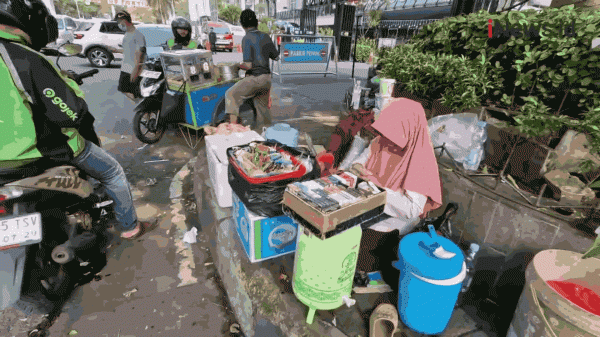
173 46
50 123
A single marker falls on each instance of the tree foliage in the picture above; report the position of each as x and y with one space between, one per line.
230 13
68 7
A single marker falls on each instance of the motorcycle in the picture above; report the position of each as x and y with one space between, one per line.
162 106
53 225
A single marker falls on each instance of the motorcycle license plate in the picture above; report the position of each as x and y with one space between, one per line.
222 41
23 230
150 74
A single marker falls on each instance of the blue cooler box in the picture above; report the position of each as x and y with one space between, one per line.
264 238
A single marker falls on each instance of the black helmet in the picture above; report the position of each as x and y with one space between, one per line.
181 23
32 17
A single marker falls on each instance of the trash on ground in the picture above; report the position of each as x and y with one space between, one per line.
143 147
234 328
190 236
156 161
129 293
150 181
73 332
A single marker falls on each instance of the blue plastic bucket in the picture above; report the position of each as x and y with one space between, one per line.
432 269
282 133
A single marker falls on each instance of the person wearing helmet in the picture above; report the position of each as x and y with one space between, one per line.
182 30
44 114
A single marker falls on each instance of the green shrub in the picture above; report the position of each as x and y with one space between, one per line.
548 68
460 83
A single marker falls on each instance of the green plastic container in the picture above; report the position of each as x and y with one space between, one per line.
324 269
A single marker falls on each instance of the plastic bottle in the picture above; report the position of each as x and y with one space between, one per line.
470 262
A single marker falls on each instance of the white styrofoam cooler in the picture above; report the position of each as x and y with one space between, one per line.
216 152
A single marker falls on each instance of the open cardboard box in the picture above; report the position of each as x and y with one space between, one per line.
325 225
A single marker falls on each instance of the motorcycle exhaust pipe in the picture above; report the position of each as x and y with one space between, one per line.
65 253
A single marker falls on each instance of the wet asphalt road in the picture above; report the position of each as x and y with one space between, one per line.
155 286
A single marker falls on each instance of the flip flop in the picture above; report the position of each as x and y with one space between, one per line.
384 321
144 228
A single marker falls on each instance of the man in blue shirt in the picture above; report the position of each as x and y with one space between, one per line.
257 49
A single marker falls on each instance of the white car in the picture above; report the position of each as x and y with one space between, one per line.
237 30
66 28
101 43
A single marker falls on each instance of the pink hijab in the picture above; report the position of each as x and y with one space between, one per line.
403 159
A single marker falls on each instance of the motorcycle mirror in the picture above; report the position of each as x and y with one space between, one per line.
69 49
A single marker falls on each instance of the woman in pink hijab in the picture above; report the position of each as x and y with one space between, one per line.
401 159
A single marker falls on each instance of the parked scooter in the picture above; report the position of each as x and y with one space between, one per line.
53 226
161 106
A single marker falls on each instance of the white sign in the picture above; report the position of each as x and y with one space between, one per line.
21 230
387 43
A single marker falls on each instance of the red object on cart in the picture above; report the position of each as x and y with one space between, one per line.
344 132
298 173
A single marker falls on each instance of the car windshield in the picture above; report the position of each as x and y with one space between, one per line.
221 30
85 26
155 36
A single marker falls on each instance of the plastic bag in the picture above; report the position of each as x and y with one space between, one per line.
464 135
358 146
265 199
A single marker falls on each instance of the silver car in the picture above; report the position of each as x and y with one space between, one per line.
66 27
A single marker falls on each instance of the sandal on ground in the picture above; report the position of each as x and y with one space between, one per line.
140 229
384 321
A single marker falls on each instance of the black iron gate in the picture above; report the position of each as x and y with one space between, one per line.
308 21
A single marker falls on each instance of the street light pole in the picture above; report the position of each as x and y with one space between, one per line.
355 40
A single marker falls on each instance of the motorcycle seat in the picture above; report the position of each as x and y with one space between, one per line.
26 171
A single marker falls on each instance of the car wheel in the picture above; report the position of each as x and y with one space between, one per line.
231 50
99 57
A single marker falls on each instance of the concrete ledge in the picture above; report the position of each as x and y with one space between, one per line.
260 301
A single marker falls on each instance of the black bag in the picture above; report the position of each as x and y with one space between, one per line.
173 107
265 199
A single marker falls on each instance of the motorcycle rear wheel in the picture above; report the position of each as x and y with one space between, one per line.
143 127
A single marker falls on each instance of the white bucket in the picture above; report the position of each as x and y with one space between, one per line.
386 87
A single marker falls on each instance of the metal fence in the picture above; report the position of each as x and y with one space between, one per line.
291 14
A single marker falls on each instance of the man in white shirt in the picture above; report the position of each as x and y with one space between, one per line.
134 51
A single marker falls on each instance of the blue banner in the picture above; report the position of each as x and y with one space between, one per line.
304 52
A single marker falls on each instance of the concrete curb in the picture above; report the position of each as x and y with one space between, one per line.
184 250
252 288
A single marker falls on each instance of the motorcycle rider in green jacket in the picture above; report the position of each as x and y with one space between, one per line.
44 114
182 31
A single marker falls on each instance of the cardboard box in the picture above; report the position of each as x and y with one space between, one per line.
327 225
264 238
216 152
